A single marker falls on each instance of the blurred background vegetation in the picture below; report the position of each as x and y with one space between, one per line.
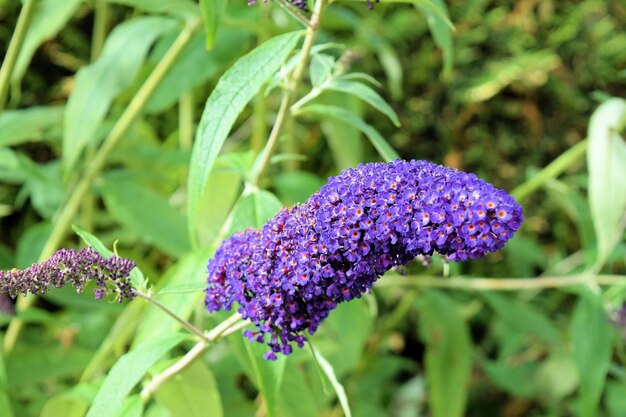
510 91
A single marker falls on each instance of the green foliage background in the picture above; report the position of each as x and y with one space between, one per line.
508 92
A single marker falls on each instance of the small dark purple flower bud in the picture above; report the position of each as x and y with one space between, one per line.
69 266
289 275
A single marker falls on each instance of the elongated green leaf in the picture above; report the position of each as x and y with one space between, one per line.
30 125
127 372
159 6
99 83
328 370
233 91
606 158
195 286
132 407
49 17
522 317
367 94
265 375
193 393
5 403
344 140
268 374
146 212
254 210
211 14
195 65
63 406
441 30
592 337
448 354
381 145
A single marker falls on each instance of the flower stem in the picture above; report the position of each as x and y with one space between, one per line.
552 170
499 284
290 92
68 213
187 325
228 326
17 40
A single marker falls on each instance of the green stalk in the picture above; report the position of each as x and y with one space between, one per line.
500 284
17 40
101 16
67 215
100 23
552 170
289 94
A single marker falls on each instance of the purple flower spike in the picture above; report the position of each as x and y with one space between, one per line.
288 276
73 267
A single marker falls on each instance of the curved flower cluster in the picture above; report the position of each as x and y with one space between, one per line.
288 276
73 267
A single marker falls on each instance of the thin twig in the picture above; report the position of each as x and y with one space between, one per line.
498 284
228 326
187 325
290 91
17 40
168 373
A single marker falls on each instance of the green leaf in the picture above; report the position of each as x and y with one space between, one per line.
184 288
159 6
328 370
616 398
30 125
366 94
254 210
344 139
5 402
132 407
38 364
441 29
31 243
127 372
98 84
448 354
297 186
49 17
607 174
381 145
344 334
192 393
522 317
266 375
530 68
233 91
194 66
211 14
63 406
592 337
146 212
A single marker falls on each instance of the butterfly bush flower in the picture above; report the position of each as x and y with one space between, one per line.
69 266
289 275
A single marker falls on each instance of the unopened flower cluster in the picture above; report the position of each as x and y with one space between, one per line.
75 267
289 275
